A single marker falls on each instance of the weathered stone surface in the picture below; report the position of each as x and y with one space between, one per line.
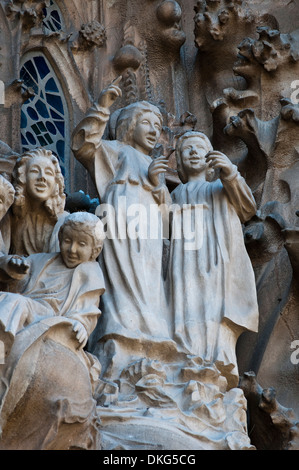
47 312
227 68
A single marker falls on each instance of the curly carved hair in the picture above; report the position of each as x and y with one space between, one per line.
88 223
55 204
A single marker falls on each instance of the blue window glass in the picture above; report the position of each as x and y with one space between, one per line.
51 128
42 141
42 127
42 109
44 118
55 115
32 113
30 137
28 80
30 68
35 129
55 17
48 138
23 120
51 85
41 66
60 146
60 127
52 17
55 101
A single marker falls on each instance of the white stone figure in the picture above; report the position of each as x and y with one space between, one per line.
125 175
7 194
211 281
38 209
47 380
67 283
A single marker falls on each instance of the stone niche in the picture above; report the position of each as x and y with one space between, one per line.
164 347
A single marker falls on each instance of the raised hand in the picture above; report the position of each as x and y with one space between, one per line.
217 159
110 94
81 333
158 165
17 267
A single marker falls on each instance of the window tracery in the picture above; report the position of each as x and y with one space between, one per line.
44 121
53 20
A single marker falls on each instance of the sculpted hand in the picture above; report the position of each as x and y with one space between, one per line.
217 159
158 165
110 94
17 267
81 333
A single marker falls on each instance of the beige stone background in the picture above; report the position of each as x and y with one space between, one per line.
163 58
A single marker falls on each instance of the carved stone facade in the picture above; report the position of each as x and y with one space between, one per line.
228 69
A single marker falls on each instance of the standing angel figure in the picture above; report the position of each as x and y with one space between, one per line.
67 283
125 175
211 283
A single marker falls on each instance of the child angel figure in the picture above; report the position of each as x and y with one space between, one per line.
211 288
123 170
68 283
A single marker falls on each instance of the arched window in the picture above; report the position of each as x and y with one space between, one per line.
53 20
44 117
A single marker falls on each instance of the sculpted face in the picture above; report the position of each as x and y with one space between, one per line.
40 178
147 132
76 247
193 155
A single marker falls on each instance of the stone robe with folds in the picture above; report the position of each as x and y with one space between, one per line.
134 303
51 289
212 287
33 234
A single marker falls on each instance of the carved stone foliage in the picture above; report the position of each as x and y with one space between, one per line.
219 27
255 121
272 426
197 410
92 34
29 11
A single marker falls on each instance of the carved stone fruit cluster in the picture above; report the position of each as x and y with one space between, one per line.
93 34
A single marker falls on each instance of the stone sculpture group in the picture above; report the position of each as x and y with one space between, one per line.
120 327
